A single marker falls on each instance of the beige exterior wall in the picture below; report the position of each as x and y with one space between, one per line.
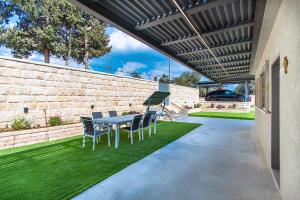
282 39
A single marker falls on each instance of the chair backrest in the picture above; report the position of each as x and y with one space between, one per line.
88 127
113 113
146 120
136 122
97 115
153 115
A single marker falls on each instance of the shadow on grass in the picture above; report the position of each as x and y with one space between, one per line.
61 170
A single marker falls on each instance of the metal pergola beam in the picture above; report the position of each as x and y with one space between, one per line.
176 14
231 71
185 38
227 68
223 56
217 74
213 63
215 47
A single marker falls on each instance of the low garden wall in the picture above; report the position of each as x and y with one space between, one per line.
224 106
11 139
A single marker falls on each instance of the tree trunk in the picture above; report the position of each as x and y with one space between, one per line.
86 53
47 56
69 48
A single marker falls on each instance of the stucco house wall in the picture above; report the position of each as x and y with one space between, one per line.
282 39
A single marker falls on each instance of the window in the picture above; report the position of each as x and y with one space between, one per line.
228 92
220 92
262 89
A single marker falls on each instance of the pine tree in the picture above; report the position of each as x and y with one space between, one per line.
70 22
91 40
52 28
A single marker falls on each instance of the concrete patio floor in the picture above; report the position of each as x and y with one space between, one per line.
219 160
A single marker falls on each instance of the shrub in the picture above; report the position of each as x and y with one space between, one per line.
198 105
130 113
220 106
20 122
55 120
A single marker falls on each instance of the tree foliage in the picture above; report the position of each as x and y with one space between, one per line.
52 28
136 74
165 79
189 79
241 88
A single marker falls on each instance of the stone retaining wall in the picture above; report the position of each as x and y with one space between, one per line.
48 90
182 95
33 136
65 91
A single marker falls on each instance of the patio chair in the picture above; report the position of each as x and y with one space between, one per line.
135 125
93 130
146 123
97 115
113 113
154 119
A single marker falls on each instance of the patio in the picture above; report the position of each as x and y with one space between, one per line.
219 160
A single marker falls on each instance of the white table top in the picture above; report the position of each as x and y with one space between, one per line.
115 120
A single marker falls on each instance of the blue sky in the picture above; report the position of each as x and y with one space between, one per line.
127 55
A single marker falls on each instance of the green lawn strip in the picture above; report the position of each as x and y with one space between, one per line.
61 169
226 115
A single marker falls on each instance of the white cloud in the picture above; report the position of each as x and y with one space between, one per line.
123 42
130 67
163 68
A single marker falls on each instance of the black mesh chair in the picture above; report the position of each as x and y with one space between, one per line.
113 113
134 125
94 130
146 123
97 115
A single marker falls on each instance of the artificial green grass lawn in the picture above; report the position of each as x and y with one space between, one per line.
61 169
228 115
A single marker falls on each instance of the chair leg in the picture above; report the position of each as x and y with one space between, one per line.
139 134
149 130
94 138
155 127
108 136
142 133
131 138
83 141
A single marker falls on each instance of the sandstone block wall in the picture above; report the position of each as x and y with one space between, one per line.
68 92
49 90
33 136
181 95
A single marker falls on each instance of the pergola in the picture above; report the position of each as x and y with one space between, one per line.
217 38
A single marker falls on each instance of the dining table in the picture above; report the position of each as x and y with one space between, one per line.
116 122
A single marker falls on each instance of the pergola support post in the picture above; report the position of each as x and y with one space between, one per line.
246 91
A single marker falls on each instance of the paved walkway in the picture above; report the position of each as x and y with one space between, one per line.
219 160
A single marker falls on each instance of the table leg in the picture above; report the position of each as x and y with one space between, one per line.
116 137
155 123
